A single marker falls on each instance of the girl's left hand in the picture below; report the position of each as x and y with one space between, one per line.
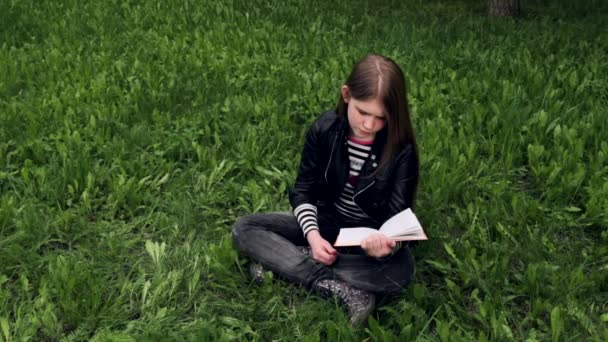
378 245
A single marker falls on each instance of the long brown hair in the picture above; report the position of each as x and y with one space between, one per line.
379 77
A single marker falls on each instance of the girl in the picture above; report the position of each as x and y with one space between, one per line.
359 167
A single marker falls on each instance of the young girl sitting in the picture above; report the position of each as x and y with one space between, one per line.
359 167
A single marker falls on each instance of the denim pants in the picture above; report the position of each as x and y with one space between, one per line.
271 240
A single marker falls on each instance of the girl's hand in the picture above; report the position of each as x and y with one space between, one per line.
378 245
322 251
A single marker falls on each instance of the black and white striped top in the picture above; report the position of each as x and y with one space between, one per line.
306 213
357 154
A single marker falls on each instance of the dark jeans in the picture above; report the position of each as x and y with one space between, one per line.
271 240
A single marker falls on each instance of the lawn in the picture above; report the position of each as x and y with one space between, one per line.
133 134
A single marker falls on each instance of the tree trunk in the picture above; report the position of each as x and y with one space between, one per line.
503 8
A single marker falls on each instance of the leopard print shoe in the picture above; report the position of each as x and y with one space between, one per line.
359 303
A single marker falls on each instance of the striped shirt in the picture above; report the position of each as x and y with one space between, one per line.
306 213
358 152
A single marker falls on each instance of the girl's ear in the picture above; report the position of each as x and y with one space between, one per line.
345 93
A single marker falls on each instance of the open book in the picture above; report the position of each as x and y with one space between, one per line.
401 227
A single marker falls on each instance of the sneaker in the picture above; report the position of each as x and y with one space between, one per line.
359 303
304 249
257 272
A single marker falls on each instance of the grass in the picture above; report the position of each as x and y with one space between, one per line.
134 134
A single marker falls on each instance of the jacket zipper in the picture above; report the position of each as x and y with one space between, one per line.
330 156
360 191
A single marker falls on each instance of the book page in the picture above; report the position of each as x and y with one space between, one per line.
404 223
401 227
353 236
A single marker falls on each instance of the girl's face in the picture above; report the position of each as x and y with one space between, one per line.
365 118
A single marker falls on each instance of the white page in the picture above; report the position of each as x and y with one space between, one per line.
401 224
353 236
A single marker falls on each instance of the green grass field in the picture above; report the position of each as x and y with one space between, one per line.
133 134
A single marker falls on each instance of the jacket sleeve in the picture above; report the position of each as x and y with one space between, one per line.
405 182
306 187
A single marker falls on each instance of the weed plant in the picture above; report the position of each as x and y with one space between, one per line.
133 134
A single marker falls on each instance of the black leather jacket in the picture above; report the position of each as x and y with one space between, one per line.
324 170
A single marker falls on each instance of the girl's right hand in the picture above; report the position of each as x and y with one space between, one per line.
322 251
